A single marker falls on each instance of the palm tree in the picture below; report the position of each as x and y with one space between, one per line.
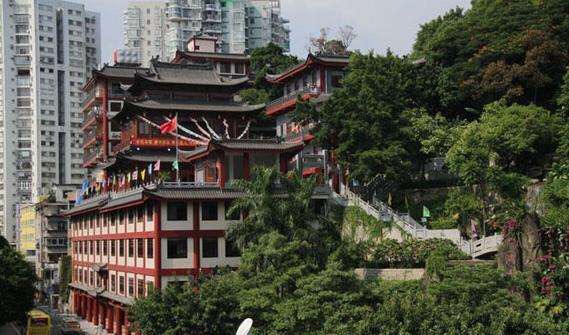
273 202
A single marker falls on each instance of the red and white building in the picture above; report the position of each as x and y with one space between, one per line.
139 221
312 80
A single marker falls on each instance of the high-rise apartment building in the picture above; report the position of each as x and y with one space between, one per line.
145 29
46 50
161 28
265 24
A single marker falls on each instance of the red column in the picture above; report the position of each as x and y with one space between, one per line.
110 319
157 243
81 306
102 315
95 312
220 170
88 308
118 321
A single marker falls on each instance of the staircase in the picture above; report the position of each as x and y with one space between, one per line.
380 211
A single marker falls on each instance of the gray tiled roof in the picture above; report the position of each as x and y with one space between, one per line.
197 193
216 55
121 71
253 144
126 199
186 106
87 205
188 74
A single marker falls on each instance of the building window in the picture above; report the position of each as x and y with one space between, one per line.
140 247
105 247
121 248
225 67
113 247
209 211
177 211
130 287
121 285
231 249
113 283
140 213
177 248
130 248
209 247
140 287
149 248
239 68
131 216
149 211
236 215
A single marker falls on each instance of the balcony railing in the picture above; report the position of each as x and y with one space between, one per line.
294 95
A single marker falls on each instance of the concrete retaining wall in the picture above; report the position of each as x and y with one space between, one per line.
390 274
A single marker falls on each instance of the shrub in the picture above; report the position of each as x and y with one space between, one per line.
413 253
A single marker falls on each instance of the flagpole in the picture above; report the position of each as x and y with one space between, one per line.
177 147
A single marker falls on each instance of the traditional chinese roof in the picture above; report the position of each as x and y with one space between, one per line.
191 74
197 193
87 206
181 55
124 72
311 60
153 106
249 145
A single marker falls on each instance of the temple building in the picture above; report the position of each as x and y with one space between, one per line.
312 80
155 210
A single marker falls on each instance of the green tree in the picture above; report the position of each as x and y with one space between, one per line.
511 50
64 277
364 122
17 280
266 60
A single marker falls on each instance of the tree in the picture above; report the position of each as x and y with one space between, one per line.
322 44
267 60
365 122
64 277
510 50
17 280
495 157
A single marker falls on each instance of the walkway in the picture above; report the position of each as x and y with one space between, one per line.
380 211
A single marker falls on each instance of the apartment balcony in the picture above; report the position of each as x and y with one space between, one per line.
288 102
212 8
212 19
22 60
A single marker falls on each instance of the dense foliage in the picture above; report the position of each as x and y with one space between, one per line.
488 95
512 50
267 60
17 280
413 253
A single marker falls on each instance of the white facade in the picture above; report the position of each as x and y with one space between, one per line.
47 48
161 28
145 30
265 24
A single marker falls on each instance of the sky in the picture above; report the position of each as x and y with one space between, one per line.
379 24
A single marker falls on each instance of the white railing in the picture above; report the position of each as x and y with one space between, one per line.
381 211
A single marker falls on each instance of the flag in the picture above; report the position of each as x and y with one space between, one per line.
426 212
128 177
169 126
157 166
175 165
134 175
150 169
142 175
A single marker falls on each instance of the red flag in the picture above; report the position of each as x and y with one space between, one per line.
169 126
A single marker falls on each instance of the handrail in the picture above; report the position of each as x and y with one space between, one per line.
294 95
474 248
